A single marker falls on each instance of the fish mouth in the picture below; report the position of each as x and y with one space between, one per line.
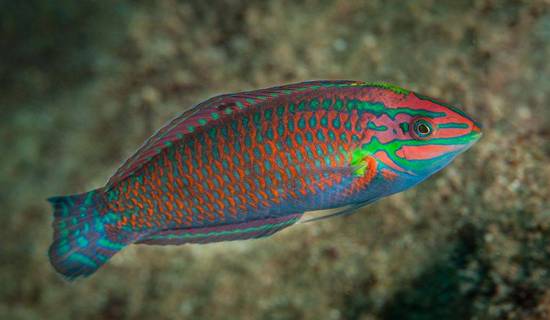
471 138
476 133
476 125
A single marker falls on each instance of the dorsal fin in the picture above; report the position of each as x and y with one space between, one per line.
211 110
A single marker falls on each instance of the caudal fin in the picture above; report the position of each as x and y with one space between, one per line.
83 238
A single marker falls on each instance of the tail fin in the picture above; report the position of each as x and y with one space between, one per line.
83 237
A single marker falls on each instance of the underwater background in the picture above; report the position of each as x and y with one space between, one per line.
84 83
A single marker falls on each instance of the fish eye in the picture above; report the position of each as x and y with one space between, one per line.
422 128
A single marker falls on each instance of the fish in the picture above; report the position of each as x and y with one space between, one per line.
247 165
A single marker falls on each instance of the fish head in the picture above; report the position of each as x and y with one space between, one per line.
415 136
430 134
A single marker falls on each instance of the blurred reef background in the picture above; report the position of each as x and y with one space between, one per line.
83 83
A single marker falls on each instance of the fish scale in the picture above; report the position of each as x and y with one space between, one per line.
247 165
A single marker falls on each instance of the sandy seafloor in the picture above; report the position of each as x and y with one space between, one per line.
82 84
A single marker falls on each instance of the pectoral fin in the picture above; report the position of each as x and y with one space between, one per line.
342 211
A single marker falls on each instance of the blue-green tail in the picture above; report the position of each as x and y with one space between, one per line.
84 237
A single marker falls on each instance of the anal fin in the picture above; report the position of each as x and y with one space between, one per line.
240 231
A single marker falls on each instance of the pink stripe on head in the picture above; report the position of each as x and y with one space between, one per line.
452 132
382 156
425 152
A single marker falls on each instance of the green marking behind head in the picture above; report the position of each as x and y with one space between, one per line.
387 86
